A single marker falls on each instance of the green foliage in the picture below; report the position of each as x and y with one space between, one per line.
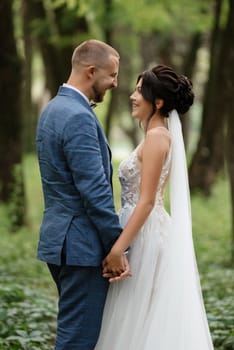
28 296
218 293
59 27
16 206
143 16
211 231
181 16
27 317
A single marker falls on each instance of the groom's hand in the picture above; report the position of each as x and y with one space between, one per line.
114 262
114 275
127 273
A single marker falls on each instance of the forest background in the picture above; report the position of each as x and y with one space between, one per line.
37 38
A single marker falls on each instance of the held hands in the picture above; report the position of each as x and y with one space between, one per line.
116 267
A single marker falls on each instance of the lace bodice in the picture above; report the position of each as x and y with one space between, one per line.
130 177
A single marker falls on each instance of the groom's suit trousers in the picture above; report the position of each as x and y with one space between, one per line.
80 309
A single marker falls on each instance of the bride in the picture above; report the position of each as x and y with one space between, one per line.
160 307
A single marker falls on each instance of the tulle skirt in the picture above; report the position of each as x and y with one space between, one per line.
150 310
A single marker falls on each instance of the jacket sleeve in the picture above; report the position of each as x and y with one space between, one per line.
83 154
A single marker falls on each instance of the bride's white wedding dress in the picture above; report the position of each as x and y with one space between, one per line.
151 310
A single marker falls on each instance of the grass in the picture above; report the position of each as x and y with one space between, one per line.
211 231
28 299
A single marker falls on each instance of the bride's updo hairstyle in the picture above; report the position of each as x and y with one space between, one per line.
163 82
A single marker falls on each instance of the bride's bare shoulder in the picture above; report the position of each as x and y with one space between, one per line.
158 135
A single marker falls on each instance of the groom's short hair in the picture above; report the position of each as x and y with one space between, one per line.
93 52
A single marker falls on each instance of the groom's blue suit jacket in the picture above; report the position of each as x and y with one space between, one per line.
76 173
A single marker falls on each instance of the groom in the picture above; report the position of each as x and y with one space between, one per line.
79 224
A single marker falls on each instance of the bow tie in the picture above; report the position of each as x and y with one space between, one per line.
93 105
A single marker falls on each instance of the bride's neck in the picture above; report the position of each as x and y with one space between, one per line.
155 121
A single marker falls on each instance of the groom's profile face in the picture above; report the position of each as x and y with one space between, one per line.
105 79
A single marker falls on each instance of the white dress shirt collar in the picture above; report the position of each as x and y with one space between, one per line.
79 92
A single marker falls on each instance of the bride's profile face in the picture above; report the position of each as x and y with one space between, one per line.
141 108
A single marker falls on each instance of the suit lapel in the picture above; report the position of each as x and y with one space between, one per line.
105 148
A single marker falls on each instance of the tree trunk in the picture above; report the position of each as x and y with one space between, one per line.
119 98
56 40
188 70
228 104
108 35
121 105
29 117
11 178
208 159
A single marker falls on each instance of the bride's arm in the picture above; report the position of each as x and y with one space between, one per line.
154 151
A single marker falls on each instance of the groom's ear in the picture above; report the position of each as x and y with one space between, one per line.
159 102
90 71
